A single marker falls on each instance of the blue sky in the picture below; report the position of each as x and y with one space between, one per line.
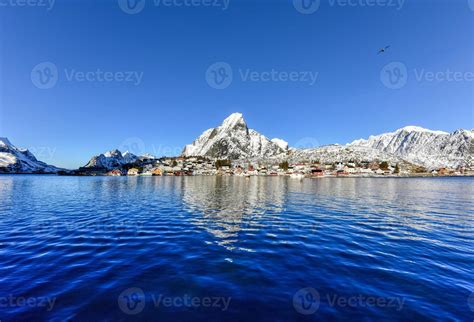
160 96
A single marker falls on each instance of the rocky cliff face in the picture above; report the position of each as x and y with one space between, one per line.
234 140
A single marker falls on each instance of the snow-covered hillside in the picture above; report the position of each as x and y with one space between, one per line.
234 140
413 144
340 153
432 149
15 160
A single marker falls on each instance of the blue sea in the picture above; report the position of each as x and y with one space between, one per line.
236 249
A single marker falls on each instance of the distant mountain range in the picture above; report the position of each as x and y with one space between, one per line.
416 145
432 149
235 141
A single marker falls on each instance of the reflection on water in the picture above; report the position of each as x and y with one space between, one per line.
225 205
258 241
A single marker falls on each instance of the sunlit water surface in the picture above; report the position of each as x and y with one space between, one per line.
223 248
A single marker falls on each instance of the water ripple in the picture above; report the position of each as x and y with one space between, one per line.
84 241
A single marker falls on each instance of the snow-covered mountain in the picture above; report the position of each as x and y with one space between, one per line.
281 143
234 140
15 160
413 144
336 153
432 149
111 160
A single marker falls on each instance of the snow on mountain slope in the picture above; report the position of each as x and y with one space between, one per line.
414 144
281 143
432 149
233 140
111 160
335 153
15 160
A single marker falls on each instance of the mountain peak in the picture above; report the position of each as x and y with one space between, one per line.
233 120
232 140
5 142
113 153
281 143
111 160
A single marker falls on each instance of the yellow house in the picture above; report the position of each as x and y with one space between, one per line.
133 172
157 172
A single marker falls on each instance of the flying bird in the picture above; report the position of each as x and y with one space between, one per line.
384 49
